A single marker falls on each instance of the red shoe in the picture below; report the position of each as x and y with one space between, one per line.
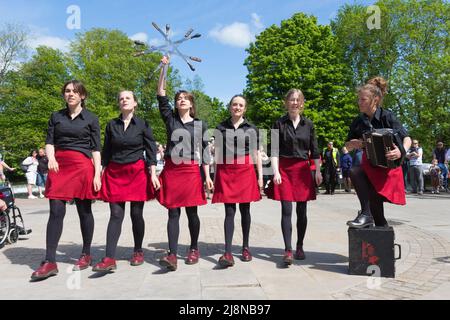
83 263
287 259
106 265
226 260
46 270
169 261
246 255
193 256
299 254
137 259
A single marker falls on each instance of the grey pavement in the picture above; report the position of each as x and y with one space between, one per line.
422 228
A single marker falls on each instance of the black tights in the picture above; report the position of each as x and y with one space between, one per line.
230 211
115 226
55 226
286 223
173 228
371 202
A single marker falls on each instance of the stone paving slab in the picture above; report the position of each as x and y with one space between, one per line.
422 228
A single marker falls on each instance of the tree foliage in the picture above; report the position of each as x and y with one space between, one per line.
411 50
103 60
300 54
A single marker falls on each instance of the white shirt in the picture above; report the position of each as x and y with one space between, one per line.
415 161
32 164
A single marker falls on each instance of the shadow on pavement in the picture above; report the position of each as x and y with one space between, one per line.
330 262
69 253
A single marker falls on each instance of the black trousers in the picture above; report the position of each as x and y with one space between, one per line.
330 178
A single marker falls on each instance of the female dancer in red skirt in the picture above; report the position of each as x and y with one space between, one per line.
236 142
292 181
126 177
181 182
74 163
375 185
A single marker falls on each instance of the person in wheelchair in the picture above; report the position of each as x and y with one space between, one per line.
3 205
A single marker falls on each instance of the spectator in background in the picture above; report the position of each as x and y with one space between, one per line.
346 164
414 154
267 167
3 166
435 173
42 171
330 160
32 163
159 158
356 157
440 155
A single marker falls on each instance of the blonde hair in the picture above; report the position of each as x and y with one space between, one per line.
292 92
377 86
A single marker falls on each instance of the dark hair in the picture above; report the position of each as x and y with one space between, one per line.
78 87
237 96
190 97
34 150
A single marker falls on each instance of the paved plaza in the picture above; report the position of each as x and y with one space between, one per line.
422 228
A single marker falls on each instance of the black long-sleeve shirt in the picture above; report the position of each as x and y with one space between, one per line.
231 142
294 142
381 119
80 134
187 141
128 146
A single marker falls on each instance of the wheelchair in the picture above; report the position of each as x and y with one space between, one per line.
12 225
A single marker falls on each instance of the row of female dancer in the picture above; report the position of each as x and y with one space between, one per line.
75 172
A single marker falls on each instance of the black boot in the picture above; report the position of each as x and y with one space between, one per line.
363 220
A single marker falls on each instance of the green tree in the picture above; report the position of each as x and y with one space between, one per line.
103 60
13 47
300 54
411 50
28 98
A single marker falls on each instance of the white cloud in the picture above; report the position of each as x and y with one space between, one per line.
141 36
238 34
256 20
49 41
156 42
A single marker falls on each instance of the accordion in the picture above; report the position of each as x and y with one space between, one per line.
380 141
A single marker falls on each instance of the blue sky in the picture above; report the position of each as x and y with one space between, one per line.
227 28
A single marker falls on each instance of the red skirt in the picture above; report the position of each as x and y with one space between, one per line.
387 182
74 179
296 185
236 182
181 185
127 182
